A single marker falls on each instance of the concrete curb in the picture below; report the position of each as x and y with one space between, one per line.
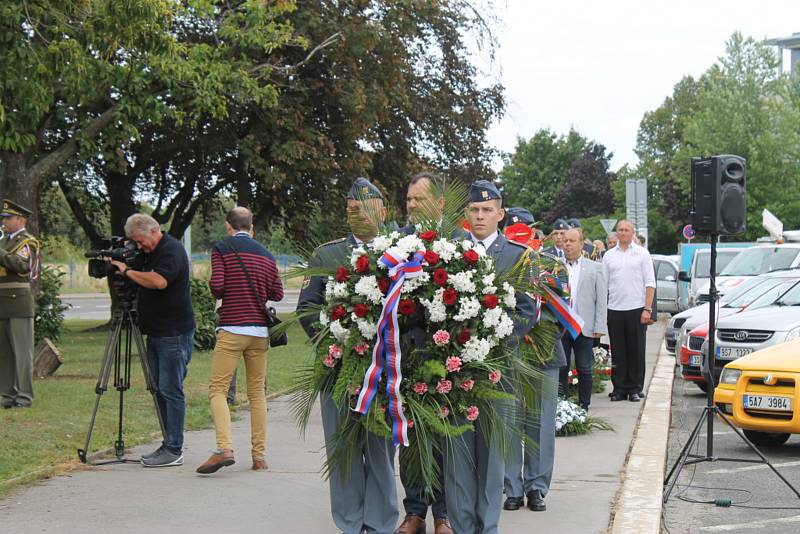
639 500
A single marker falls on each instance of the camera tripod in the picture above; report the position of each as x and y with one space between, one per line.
123 332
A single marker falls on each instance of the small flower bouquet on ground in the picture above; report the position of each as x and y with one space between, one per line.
572 420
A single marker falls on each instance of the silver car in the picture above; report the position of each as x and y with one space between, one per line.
666 269
752 293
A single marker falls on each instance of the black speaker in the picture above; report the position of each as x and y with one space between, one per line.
719 195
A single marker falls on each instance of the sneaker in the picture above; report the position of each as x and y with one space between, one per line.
164 458
154 453
219 459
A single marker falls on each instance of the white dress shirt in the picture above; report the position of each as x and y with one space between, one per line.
487 241
628 273
574 270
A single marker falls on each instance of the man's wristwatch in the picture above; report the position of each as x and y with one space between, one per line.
648 310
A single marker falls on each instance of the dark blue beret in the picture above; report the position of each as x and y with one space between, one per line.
483 190
362 189
574 223
560 224
519 215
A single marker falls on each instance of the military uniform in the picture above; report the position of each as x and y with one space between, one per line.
19 265
364 497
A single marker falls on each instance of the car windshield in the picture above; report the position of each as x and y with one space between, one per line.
791 297
703 266
769 295
730 299
760 260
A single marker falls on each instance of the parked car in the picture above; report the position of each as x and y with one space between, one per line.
752 262
666 269
700 272
691 357
755 329
770 286
759 392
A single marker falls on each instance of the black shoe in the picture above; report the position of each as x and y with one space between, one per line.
641 394
618 397
513 503
634 397
585 407
536 501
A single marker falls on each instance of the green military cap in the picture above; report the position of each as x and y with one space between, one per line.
11 208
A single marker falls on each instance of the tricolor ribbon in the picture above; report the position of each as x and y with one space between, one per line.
387 345
571 321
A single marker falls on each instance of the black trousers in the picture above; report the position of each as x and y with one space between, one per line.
627 335
584 361
416 502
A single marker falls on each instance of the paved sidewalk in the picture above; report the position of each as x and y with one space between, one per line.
292 497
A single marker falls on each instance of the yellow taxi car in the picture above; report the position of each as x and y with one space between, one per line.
760 393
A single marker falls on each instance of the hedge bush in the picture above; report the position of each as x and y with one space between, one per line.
205 315
49 319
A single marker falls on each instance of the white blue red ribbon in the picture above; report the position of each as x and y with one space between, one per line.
387 345
568 318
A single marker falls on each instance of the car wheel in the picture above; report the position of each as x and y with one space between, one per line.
766 439
703 386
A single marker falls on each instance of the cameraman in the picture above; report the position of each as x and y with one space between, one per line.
165 314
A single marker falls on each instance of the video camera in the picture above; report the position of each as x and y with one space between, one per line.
115 248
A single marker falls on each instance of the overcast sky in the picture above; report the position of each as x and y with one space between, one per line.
599 66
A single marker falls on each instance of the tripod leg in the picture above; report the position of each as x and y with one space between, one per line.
758 452
148 375
109 357
682 457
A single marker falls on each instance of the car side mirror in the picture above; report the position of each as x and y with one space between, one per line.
683 276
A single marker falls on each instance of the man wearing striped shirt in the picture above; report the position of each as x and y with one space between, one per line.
245 276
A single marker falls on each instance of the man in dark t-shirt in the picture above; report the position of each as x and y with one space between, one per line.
166 316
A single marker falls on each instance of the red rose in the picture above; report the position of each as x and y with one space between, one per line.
450 296
440 277
431 257
362 264
383 285
490 301
361 310
338 312
407 306
342 274
471 257
464 335
428 236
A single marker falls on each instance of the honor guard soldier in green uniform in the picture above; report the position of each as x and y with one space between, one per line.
19 266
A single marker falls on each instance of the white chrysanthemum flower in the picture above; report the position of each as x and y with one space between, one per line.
412 284
368 329
329 288
510 299
339 332
323 318
380 243
355 254
488 279
410 244
468 308
437 311
491 318
462 282
475 350
447 250
367 286
505 326
480 250
467 244
340 289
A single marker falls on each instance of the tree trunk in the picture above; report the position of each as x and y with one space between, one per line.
120 197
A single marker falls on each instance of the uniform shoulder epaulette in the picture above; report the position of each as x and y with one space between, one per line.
520 245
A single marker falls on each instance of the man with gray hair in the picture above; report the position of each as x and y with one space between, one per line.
165 314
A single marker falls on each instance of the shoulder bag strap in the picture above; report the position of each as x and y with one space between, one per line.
262 306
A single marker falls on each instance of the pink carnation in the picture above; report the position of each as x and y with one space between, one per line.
410 423
472 413
334 351
441 337
329 361
453 364
444 386
361 349
444 411
494 376
467 385
420 388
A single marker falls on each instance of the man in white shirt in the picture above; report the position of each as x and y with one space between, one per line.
588 299
631 286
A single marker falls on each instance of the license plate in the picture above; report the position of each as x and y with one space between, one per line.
768 402
696 360
731 353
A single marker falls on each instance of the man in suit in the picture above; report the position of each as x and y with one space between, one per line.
588 299
19 265
529 473
364 498
474 468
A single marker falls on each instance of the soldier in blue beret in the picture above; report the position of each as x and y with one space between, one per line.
560 227
519 215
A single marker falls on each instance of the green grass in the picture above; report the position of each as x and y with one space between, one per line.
42 440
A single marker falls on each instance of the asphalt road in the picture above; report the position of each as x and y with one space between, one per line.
754 486
97 306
